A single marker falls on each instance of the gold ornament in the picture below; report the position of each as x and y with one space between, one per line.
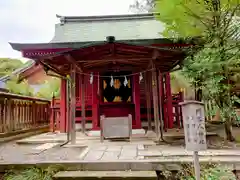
153 83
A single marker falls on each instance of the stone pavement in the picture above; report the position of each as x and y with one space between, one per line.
137 152
114 152
46 148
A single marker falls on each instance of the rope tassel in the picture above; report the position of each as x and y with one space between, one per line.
125 81
140 77
91 78
111 82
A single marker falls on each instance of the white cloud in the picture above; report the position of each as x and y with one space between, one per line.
33 20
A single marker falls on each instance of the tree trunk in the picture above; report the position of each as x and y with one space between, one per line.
228 131
199 95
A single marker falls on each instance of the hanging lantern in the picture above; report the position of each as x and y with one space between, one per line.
91 78
140 77
111 82
125 81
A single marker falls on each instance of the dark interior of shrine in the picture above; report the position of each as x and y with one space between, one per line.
120 90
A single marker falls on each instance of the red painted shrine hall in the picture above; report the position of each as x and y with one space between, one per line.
119 65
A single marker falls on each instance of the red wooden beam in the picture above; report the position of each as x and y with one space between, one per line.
73 61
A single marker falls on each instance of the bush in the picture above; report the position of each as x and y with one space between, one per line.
33 173
49 88
208 172
21 88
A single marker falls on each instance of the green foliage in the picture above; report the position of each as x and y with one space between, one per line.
180 83
49 88
33 173
213 67
208 172
192 18
7 66
142 6
21 88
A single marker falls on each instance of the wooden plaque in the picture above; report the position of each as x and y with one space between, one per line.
116 127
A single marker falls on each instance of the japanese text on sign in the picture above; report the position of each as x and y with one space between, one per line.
195 133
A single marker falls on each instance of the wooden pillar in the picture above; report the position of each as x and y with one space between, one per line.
52 114
147 83
83 113
160 98
10 125
155 103
95 102
68 109
136 98
63 106
164 100
73 105
169 100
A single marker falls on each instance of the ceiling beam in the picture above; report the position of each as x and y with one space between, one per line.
50 67
155 54
111 59
73 61
97 63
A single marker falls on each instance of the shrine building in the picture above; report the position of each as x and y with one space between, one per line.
113 66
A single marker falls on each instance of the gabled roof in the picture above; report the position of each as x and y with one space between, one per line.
97 28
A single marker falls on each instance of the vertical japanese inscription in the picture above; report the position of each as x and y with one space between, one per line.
201 132
189 118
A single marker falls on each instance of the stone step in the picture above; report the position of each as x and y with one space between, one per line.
106 174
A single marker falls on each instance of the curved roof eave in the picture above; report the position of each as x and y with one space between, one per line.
37 46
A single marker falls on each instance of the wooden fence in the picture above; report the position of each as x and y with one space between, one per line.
22 112
212 113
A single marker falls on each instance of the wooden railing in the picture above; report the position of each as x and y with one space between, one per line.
22 112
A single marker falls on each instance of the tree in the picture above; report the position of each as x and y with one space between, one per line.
194 17
179 83
142 6
7 65
50 88
16 87
212 67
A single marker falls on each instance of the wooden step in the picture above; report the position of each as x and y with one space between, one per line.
106 174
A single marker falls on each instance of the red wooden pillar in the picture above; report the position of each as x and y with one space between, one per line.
136 100
95 102
180 110
169 100
52 114
63 106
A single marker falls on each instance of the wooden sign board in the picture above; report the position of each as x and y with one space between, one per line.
194 126
116 127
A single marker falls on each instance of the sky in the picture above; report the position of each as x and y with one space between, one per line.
32 21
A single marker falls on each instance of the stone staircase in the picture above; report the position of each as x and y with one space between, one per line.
113 175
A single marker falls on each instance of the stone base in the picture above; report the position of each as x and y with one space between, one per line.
96 133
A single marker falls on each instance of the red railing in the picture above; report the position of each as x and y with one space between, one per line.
22 112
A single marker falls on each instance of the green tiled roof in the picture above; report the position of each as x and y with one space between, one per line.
97 28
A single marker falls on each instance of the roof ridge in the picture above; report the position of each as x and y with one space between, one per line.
64 19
